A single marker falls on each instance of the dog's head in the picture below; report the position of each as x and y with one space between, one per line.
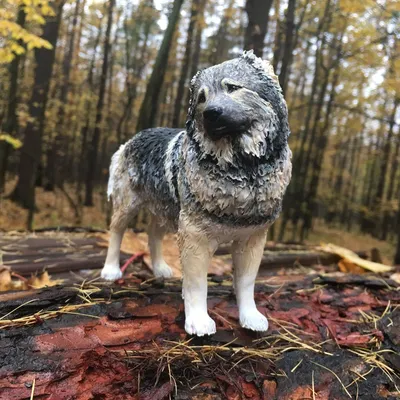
237 106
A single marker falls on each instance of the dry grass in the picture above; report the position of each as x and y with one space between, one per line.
353 240
42 315
53 210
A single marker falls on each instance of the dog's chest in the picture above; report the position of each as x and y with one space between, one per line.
240 192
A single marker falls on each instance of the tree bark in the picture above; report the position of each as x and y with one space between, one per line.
136 65
278 38
378 198
11 123
24 192
221 44
94 145
397 256
194 66
288 49
88 109
257 27
149 107
391 189
176 120
55 156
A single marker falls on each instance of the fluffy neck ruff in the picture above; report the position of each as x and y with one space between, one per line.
247 192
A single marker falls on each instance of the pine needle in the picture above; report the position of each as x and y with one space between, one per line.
33 389
336 376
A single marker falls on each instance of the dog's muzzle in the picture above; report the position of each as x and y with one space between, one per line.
220 122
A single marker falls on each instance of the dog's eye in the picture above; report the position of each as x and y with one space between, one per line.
232 88
202 97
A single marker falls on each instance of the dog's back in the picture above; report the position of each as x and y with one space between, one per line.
145 170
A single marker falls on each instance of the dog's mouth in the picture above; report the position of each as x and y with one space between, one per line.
217 132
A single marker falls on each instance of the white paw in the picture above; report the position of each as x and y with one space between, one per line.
254 320
111 273
162 270
200 325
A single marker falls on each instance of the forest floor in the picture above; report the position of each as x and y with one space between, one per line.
332 335
54 209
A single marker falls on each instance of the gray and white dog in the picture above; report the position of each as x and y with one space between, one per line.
220 180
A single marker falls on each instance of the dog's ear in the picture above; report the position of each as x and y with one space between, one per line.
263 65
192 102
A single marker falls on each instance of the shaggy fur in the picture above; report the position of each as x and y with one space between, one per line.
220 180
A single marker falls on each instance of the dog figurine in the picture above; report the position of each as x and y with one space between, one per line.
220 180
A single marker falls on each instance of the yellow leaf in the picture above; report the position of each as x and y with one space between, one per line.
16 143
352 257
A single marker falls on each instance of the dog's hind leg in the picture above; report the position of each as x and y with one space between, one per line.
196 251
246 257
119 222
156 233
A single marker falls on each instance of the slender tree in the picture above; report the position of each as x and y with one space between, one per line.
88 111
94 145
11 122
55 160
149 108
24 192
397 256
257 27
288 47
176 120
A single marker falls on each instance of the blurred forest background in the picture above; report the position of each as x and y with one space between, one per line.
80 77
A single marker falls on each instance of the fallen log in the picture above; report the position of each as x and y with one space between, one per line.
112 342
305 258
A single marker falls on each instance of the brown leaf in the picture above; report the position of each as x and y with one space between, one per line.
5 279
42 280
269 390
349 267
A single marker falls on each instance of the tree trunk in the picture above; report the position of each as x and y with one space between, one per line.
197 46
288 49
296 188
56 156
377 203
134 67
11 123
88 109
397 256
149 108
176 120
391 190
367 222
220 49
24 192
94 145
355 181
258 16
278 38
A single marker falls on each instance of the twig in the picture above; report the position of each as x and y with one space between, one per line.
33 389
135 257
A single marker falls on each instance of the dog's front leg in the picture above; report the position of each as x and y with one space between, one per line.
246 257
196 251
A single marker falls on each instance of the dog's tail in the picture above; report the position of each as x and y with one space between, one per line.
116 169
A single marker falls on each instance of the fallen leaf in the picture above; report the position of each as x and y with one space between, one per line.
395 277
42 280
350 256
5 279
350 267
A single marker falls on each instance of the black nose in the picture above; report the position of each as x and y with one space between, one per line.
212 113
